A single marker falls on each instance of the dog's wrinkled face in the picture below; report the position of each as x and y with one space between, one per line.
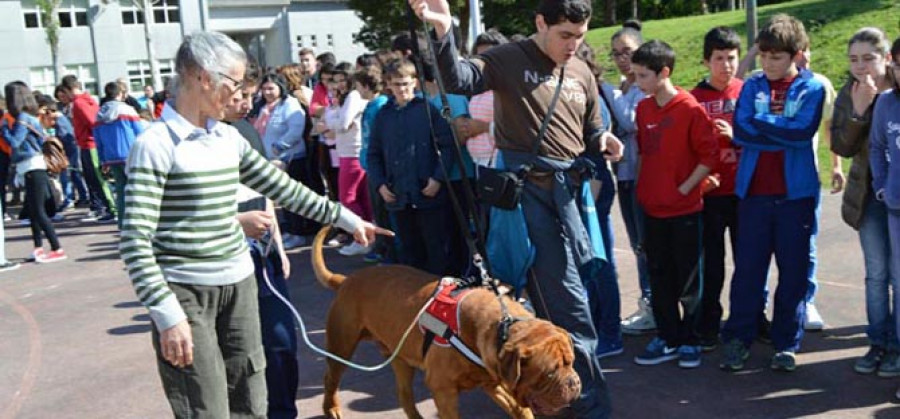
536 366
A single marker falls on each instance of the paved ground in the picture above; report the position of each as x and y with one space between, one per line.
75 344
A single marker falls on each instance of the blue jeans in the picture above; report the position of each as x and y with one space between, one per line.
633 216
69 178
603 290
558 295
771 224
882 274
279 339
813 260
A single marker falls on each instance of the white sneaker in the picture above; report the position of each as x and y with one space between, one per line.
641 321
291 241
814 320
354 249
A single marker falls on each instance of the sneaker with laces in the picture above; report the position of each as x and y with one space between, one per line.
689 356
9 266
607 349
736 353
58 217
656 353
641 321
25 222
784 361
890 365
354 249
53 256
870 361
814 320
36 254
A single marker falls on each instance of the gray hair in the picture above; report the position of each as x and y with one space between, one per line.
211 52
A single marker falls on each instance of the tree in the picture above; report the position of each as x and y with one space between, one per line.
384 19
49 10
146 7
610 16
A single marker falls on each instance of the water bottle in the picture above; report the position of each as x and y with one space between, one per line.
51 132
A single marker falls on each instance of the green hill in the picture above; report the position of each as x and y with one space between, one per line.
830 23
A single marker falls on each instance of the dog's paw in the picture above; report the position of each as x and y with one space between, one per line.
333 413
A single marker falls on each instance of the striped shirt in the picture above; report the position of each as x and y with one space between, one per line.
180 205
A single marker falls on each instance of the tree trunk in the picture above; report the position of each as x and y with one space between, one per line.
609 17
634 9
704 7
731 4
147 8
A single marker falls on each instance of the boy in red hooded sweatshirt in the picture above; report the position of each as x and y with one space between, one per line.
84 116
677 150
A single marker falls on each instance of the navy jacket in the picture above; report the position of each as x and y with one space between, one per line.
402 154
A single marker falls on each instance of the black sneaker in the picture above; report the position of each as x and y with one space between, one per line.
735 355
107 219
784 361
709 344
870 361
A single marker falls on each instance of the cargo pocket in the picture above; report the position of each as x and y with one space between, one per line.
247 384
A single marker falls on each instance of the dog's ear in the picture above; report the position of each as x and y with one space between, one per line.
510 367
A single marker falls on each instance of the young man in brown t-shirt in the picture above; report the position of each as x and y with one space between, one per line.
524 76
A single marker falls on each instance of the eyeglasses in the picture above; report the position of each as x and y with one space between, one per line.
238 85
623 54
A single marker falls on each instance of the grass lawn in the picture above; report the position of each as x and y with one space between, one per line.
830 23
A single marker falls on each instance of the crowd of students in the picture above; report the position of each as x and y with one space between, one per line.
737 153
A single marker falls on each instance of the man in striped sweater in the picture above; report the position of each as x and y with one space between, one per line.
186 253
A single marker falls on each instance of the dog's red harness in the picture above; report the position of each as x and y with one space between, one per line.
440 321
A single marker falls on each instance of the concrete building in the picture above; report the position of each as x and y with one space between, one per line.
101 40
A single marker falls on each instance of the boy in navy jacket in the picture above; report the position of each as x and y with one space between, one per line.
406 170
777 115
117 126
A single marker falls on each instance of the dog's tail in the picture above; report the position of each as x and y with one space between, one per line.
323 274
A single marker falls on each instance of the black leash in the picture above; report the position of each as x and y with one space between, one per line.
467 218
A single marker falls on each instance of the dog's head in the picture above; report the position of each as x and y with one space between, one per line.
536 366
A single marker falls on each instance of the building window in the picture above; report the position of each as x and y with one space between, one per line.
313 42
299 41
139 74
131 14
42 79
330 40
71 13
166 11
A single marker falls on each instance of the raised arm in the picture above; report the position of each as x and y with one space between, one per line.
460 76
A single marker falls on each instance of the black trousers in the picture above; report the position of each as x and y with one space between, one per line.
719 214
37 189
299 170
675 260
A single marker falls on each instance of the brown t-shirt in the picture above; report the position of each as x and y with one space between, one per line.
524 80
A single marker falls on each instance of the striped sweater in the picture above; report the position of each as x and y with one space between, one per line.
180 205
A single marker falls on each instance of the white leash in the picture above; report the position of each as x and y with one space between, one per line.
323 352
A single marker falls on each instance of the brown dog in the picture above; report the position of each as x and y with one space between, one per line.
531 371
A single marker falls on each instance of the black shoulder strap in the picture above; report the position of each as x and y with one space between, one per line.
543 130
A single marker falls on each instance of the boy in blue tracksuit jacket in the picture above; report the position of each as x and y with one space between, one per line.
115 130
405 169
776 116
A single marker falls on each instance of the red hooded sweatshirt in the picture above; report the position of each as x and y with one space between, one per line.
672 141
84 114
719 104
